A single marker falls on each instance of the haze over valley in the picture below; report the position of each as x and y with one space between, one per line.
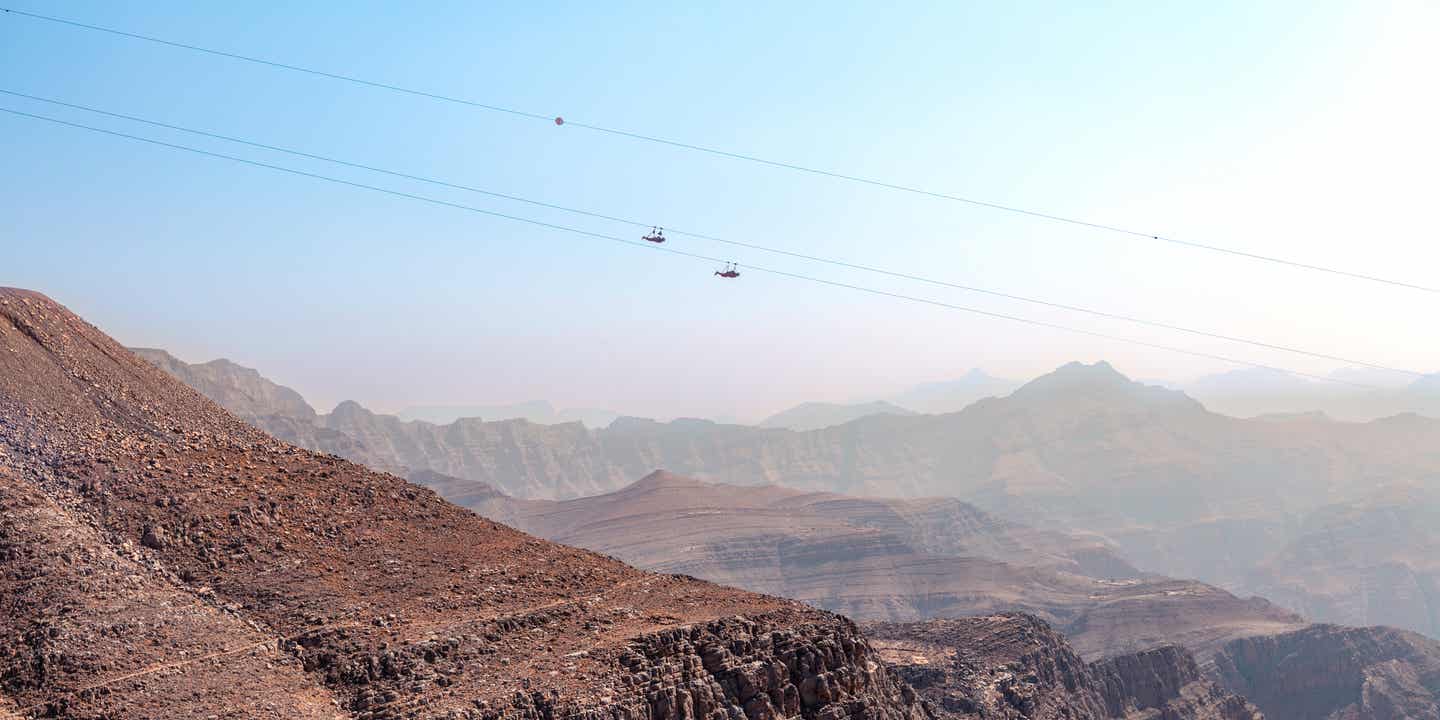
1328 519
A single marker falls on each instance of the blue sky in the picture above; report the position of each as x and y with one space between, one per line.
1300 129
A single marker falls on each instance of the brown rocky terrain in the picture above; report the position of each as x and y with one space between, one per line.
884 559
1014 666
161 559
241 390
1179 490
1326 672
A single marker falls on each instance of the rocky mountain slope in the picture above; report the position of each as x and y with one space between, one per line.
163 559
1178 489
241 390
1014 666
1325 672
884 559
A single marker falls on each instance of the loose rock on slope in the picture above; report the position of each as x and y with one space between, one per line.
1327 672
162 559
1014 667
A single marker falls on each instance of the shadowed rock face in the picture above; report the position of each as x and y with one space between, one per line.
241 390
884 559
1014 666
1326 672
162 559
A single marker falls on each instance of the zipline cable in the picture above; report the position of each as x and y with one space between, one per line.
753 246
697 256
741 156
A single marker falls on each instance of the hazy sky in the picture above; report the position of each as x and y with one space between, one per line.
1299 129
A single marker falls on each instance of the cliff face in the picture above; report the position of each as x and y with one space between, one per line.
1326 672
241 390
1014 666
159 558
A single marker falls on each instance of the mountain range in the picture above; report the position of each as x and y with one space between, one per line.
536 411
1177 489
1352 394
887 559
817 415
161 558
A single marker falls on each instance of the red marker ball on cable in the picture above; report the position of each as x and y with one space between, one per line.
559 121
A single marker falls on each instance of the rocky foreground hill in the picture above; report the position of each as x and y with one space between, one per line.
162 559
1245 504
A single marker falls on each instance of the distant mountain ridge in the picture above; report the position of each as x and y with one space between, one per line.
1180 490
1311 672
938 398
1360 394
816 415
885 559
537 411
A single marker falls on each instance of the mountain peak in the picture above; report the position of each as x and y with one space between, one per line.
816 415
663 479
1099 383
349 407
1078 374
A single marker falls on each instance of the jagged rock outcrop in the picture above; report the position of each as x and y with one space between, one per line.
241 390
160 558
1327 672
1014 666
